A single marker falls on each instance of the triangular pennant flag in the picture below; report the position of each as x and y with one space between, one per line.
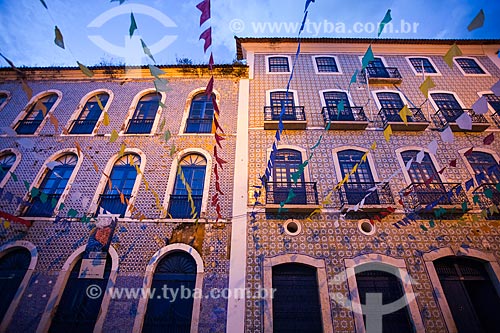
133 25
114 136
155 71
408 164
146 50
211 61
204 7
453 163
433 146
167 135
477 22
404 113
308 2
27 89
420 156
59 38
105 119
210 86
387 133
367 57
387 18
374 145
469 184
447 135
464 121
454 51
218 139
480 106
442 170
496 87
85 70
161 85
303 23
53 120
78 148
488 140
353 79
207 36
426 85
44 4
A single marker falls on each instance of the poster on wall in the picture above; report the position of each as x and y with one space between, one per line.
94 257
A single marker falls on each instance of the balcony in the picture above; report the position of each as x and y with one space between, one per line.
304 198
84 126
428 197
294 117
444 117
113 204
180 208
378 74
488 194
352 193
27 126
38 208
140 126
415 122
199 125
351 118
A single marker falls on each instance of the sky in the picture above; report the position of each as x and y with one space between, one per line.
97 31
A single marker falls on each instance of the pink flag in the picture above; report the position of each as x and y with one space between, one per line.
207 36
218 139
210 87
204 7
216 107
211 61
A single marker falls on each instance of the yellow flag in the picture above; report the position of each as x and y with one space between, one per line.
388 133
363 158
114 136
374 145
454 51
122 150
405 111
105 119
99 102
346 179
354 169
426 85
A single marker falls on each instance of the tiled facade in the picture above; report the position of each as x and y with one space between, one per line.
140 235
328 236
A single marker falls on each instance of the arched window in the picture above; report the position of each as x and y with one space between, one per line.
372 283
144 115
193 167
470 293
361 181
296 302
486 164
120 184
52 186
201 114
6 162
34 117
88 117
76 311
13 267
176 272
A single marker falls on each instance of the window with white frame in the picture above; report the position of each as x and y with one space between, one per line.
422 65
13 267
201 114
89 115
326 64
144 115
7 161
278 64
470 66
35 115
494 102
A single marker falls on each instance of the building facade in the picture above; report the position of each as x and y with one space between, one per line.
349 209
81 148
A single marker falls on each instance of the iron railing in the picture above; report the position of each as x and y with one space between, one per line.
353 193
180 208
27 126
140 126
37 208
445 116
292 113
304 193
382 72
350 113
392 115
83 126
199 125
487 195
113 204
426 196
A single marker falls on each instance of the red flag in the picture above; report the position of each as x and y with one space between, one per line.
204 7
219 160
210 87
218 139
489 139
442 170
207 36
215 199
211 61
217 187
216 107
468 152
16 219
216 171
391 209
453 163
428 181
217 124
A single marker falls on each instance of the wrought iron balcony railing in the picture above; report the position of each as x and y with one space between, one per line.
382 73
416 121
292 113
488 194
112 203
199 125
304 193
140 126
180 208
443 117
352 193
27 126
83 126
37 208
427 196
350 113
